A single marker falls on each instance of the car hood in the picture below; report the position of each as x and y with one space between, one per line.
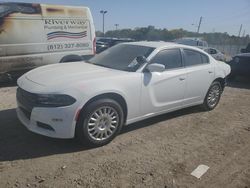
67 73
243 55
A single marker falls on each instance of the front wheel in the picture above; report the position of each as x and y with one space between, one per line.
100 122
213 96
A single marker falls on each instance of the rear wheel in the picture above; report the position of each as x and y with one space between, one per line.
213 96
100 122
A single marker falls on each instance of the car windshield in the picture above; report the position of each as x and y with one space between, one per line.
121 57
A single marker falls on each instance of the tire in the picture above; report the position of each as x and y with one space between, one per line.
100 122
213 96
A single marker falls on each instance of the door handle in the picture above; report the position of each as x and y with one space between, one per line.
181 79
210 72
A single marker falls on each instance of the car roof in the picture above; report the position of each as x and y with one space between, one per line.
161 44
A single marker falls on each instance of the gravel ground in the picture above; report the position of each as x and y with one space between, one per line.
158 152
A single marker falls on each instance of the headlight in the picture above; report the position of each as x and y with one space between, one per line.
55 100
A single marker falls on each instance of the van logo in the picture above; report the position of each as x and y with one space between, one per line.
64 34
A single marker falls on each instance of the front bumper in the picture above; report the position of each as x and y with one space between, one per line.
60 121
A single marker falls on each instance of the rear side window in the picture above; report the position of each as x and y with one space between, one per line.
194 58
171 58
205 59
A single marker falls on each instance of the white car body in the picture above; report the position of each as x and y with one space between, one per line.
146 94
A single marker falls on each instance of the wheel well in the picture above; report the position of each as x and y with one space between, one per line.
70 58
118 98
222 82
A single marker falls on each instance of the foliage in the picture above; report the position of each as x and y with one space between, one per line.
151 33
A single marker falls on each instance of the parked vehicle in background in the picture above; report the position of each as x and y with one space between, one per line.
101 46
197 42
106 42
33 35
126 83
216 54
240 65
246 50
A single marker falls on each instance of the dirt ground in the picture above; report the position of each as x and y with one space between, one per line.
158 152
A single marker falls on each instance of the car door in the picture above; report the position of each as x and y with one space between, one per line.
163 91
200 75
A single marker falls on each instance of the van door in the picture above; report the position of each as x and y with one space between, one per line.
2 51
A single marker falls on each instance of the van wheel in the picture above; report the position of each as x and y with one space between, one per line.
213 96
71 58
100 122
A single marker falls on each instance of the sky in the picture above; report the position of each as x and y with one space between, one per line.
218 15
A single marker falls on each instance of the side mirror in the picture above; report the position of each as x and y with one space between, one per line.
155 67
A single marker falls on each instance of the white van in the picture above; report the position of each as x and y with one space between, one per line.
33 35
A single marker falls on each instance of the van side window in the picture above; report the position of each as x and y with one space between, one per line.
169 58
194 58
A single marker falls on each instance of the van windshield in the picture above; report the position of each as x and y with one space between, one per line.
25 8
121 56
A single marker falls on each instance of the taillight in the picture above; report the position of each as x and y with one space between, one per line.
94 46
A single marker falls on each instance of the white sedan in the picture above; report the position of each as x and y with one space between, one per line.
127 83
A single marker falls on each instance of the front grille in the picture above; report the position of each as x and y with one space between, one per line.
26 99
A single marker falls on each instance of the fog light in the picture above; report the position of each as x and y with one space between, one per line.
44 126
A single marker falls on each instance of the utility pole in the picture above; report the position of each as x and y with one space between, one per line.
243 35
239 38
199 26
103 12
116 26
240 30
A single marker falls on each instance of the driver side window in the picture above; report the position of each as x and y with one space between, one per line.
170 58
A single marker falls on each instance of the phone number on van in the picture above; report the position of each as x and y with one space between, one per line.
52 47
